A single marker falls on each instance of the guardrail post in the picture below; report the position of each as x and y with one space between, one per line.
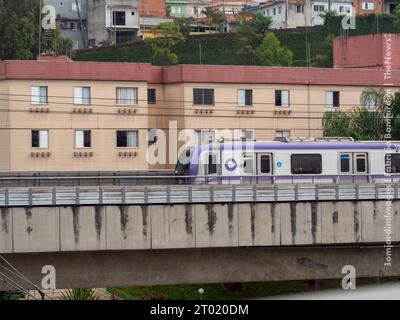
234 193
30 200
275 193
123 195
296 192
190 194
337 191
54 196
357 190
376 191
168 195
316 192
212 193
100 195
146 195
6 198
77 196
254 193
396 191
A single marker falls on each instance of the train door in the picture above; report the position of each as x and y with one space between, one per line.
346 167
264 167
360 165
212 167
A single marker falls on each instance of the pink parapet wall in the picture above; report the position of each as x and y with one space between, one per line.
367 51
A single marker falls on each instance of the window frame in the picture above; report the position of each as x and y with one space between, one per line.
82 96
305 154
90 139
115 18
248 99
203 100
127 131
39 139
279 101
335 99
39 96
152 93
135 96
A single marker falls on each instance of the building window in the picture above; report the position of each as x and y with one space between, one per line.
245 98
39 95
82 95
367 5
119 18
246 134
127 139
203 96
392 163
369 101
40 138
267 12
306 164
83 139
332 99
281 98
279 10
299 9
175 9
274 11
204 136
319 8
282 134
151 96
127 96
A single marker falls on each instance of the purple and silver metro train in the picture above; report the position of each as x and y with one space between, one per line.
290 161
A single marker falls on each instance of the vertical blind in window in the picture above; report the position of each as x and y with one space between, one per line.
39 95
40 139
82 95
127 139
82 139
127 96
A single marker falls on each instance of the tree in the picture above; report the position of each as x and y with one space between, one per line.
208 12
58 45
184 25
79 294
271 53
396 14
259 22
19 30
213 16
167 34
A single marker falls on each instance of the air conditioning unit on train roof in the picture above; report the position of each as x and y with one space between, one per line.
322 139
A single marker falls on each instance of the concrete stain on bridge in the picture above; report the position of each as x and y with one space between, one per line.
314 221
5 213
124 218
145 214
356 214
212 217
75 222
293 214
189 219
98 221
28 214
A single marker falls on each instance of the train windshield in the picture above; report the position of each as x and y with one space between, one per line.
182 167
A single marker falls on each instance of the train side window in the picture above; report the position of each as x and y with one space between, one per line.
392 163
306 164
264 162
212 164
361 163
345 163
248 164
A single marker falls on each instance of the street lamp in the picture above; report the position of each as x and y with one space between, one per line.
201 292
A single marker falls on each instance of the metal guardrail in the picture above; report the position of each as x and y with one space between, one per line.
31 197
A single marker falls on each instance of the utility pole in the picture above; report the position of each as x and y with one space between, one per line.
40 29
81 24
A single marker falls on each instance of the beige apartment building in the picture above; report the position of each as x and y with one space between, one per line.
60 115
